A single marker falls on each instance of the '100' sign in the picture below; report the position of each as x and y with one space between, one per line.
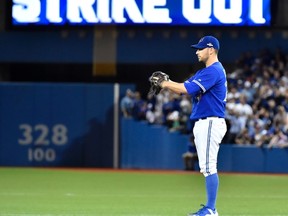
167 12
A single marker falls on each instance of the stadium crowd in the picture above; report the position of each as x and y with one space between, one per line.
257 103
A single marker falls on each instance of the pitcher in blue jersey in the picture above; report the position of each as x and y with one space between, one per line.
208 91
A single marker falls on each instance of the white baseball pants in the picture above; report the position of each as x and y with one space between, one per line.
208 135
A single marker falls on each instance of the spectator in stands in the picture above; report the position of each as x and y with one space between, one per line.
280 118
161 98
127 104
278 140
233 93
243 138
285 100
284 77
263 135
190 157
173 121
244 110
139 107
171 110
185 111
235 125
151 101
150 115
248 92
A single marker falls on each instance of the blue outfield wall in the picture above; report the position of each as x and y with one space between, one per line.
72 125
145 146
234 158
57 124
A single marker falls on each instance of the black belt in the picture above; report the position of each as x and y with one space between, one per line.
207 118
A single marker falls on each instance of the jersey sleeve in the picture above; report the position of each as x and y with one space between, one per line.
192 88
201 82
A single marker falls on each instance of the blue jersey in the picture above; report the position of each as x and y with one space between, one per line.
208 90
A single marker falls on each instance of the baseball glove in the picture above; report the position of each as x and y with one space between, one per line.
155 82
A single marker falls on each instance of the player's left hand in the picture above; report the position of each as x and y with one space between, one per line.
155 82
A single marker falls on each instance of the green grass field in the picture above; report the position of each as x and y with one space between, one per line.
66 192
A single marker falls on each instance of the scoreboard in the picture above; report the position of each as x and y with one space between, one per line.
141 12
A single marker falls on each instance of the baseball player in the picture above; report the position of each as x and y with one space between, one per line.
208 90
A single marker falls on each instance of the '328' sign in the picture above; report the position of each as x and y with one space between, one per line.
42 141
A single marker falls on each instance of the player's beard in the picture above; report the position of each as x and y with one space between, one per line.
203 57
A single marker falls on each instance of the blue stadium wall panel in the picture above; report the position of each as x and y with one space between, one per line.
234 158
145 146
46 47
57 124
132 46
150 146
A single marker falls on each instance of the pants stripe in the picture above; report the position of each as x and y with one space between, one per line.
208 147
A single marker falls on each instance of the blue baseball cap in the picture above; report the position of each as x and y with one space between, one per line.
207 41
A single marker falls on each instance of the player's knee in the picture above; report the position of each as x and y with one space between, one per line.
209 173
208 170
